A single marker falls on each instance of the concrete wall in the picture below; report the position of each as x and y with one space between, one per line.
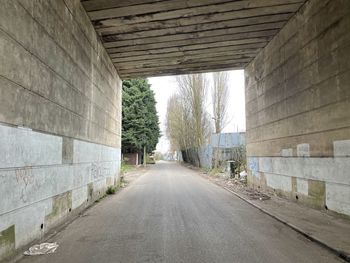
298 108
60 117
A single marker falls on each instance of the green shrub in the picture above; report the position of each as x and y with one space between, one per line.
111 190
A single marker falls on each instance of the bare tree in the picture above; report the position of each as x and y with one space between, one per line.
188 123
193 91
175 123
220 94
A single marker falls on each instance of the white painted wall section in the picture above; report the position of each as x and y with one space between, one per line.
27 221
302 186
338 198
279 182
335 170
32 174
86 152
26 186
79 196
23 147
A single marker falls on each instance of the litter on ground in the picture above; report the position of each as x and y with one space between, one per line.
41 249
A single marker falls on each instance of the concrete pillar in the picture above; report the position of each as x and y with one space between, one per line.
298 108
60 117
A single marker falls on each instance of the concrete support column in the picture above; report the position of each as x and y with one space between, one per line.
297 107
60 117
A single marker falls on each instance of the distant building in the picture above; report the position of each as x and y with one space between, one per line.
225 144
227 140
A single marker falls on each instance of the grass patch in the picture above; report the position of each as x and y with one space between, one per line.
205 170
126 168
212 172
111 190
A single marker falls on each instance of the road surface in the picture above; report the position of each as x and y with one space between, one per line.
170 214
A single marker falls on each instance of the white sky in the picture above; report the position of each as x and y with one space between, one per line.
164 87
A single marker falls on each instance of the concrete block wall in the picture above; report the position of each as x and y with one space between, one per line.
298 109
60 117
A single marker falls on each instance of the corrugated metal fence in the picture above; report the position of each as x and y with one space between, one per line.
221 147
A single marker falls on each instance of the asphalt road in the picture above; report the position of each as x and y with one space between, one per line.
170 214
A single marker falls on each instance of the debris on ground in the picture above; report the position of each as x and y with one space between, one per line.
236 184
239 185
41 249
243 174
254 194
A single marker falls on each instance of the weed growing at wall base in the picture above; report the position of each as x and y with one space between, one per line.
111 190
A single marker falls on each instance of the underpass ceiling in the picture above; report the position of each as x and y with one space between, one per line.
167 37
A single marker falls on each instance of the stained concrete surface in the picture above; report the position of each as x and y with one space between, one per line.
60 117
297 108
172 215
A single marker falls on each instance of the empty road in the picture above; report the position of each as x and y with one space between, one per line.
170 214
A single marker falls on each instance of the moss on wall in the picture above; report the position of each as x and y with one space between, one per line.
7 242
61 204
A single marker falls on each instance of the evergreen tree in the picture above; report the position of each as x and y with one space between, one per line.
140 123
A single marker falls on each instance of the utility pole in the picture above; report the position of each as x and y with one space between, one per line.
144 156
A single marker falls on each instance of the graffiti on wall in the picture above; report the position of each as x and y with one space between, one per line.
253 166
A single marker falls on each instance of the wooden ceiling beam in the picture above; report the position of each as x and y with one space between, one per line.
113 33
171 52
201 22
93 5
196 35
166 37
284 5
182 61
238 42
179 55
212 64
150 8
210 41
181 71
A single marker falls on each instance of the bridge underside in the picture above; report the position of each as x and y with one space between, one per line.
154 38
61 96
